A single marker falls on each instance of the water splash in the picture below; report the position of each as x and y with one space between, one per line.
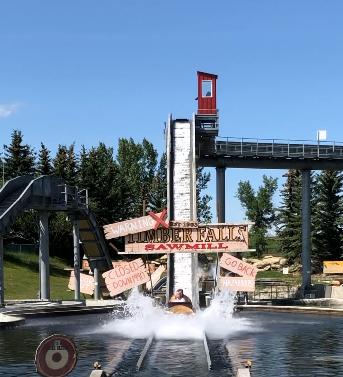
141 316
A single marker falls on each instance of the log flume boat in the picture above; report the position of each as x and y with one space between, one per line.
184 308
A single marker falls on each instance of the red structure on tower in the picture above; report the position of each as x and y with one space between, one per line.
207 93
206 119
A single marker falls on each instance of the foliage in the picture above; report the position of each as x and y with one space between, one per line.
60 236
44 166
328 216
19 157
289 223
107 186
203 209
258 209
158 192
25 230
66 164
137 162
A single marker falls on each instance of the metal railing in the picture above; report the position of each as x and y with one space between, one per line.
72 196
231 146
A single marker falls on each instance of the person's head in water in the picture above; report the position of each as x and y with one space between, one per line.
179 294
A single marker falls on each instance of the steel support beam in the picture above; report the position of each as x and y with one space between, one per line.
44 255
76 239
2 288
306 230
220 191
253 162
96 283
220 182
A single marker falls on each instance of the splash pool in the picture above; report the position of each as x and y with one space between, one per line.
279 344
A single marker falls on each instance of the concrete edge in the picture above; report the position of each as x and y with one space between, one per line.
291 309
53 311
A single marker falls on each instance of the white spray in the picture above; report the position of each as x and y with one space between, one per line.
141 317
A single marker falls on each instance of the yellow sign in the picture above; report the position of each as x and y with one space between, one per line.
333 267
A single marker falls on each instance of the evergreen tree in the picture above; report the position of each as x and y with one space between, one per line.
44 166
108 189
258 209
158 192
203 209
83 167
19 157
289 218
65 164
328 216
72 166
138 163
60 236
61 162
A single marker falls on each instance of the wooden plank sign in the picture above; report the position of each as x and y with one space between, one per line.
236 284
126 276
155 276
86 283
332 267
205 238
237 266
139 224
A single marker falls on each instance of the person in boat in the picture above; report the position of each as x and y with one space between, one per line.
179 297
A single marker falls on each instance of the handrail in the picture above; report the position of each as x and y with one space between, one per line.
278 147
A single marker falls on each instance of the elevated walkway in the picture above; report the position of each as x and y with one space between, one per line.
51 193
271 154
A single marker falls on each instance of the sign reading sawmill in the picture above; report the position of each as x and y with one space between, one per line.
204 238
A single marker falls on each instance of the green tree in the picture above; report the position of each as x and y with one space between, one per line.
158 192
66 164
138 163
107 188
289 221
19 157
259 209
328 216
203 208
25 230
44 166
60 236
61 162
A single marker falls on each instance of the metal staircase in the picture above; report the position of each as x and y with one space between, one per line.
53 194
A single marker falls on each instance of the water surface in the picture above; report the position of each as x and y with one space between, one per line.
279 344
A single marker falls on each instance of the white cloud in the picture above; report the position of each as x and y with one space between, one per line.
6 110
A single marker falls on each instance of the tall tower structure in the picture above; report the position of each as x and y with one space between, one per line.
183 137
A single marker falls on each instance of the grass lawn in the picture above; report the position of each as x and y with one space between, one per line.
21 277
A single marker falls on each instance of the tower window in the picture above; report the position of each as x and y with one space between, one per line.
207 88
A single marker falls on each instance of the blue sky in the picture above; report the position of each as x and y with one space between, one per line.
95 71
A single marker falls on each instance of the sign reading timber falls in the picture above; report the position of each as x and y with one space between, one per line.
202 239
154 234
